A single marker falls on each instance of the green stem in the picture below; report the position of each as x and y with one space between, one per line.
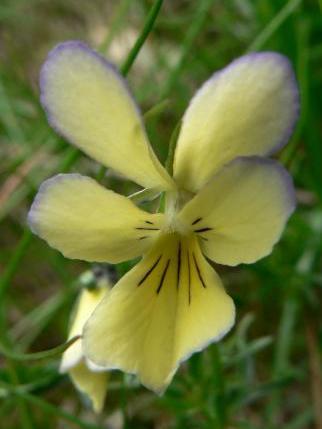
38 355
156 110
69 160
147 28
172 148
144 195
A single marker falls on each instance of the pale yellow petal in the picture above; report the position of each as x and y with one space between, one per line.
87 301
168 306
83 220
249 108
88 102
92 384
205 313
241 213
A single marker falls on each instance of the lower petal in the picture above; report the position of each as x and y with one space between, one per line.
92 384
167 307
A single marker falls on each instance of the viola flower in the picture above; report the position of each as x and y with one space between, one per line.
226 202
86 378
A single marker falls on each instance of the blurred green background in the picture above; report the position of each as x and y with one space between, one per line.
267 372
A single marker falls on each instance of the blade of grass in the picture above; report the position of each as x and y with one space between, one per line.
26 330
315 370
219 399
9 118
302 71
13 265
24 412
274 25
190 37
286 331
156 110
146 30
51 409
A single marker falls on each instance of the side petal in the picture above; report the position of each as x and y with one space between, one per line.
241 213
167 307
88 300
92 384
248 108
83 220
88 102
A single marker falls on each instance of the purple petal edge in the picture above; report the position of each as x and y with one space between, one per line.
284 174
285 63
44 187
73 45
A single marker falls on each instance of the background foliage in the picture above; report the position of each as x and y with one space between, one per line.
266 373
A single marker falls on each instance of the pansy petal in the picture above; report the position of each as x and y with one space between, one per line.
83 220
92 384
240 214
88 300
248 108
168 306
87 101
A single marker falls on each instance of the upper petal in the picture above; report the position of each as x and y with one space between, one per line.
83 220
88 102
167 307
248 108
240 214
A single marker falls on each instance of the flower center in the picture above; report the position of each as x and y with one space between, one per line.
175 200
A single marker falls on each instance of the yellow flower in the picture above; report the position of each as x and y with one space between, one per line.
87 378
225 202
